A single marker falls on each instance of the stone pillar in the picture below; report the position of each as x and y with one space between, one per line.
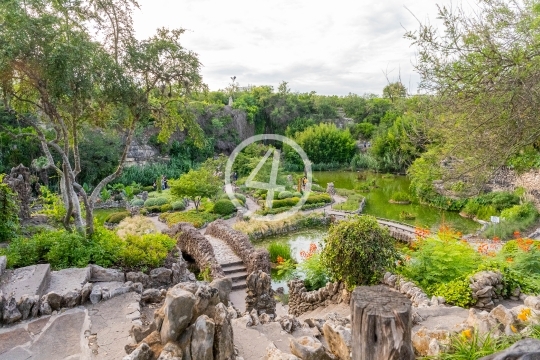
260 294
19 181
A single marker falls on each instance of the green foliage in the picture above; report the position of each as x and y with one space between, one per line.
115 218
195 185
197 218
285 268
358 251
316 275
323 143
527 158
285 195
362 130
439 259
146 174
516 218
363 161
147 250
9 212
456 292
105 194
475 346
400 196
224 207
352 203
53 206
205 275
137 202
178 205
281 249
157 201
165 208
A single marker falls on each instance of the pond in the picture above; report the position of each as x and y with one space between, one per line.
298 241
377 200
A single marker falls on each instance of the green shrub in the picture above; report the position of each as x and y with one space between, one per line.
165 208
137 202
358 251
285 195
400 196
519 212
178 205
115 218
153 209
106 247
317 188
9 212
456 292
148 188
297 194
316 275
277 248
438 260
485 212
198 219
157 201
224 207
147 250
240 197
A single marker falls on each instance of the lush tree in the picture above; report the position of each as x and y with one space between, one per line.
394 91
195 185
358 251
482 72
324 143
71 65
9 218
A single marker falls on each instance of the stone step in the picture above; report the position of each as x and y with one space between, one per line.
29 280
233 264
239 286
238 276
234 269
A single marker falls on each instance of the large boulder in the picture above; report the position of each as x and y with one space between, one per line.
25 305
99 274
273 353
142 352
171 351
224 286
223 337
53 299
428 341
526 349
11 313
206 300
178 312
339 339
308 348
161 277
202 340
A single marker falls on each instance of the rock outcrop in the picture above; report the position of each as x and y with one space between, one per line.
19 181
260 295
301 300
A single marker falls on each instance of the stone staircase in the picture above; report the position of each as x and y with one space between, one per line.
237 272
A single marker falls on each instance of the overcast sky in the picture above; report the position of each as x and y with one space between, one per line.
331 47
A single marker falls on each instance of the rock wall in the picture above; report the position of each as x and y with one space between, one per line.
260 296
301 300
254 259
111 204
509 180
487 288
193 243
418 297
19 181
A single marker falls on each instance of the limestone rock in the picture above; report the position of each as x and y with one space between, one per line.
137 287
339 340
142 352
138 277
161 276
533 302
255 317
273 353
481 321
171 351
25 305
502 315
151 296
289 323
206 300
138 332
427 342
202 340
177 313
224 286
86 291
154 342
260 293
54 300
223 337
188 286
3 263
99 274
308 348
184 342
526 349
11 314
35 308
95 294
44 307
71 299
265 318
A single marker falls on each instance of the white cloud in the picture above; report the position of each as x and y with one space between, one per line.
329 47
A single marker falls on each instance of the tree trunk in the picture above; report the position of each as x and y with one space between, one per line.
381 324
73 202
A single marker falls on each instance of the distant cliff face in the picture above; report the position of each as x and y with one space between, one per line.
227 126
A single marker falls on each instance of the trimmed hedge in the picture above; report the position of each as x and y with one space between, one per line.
117 217
156 202
285 195
224 207
312 199
178 205
137 202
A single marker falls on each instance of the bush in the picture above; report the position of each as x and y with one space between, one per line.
137 202
9 212
158 201
153 209
363 161
165 208
224 207
147 250
285 195
316 275
115 218
297 194
198 219
137 225
178 205
279 249
240 197
148 188
358 251
456 292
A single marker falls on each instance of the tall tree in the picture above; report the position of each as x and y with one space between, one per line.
58 76
483 75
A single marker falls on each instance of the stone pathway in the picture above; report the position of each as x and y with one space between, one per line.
160 226
224 254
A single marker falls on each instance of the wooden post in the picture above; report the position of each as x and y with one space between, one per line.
381 324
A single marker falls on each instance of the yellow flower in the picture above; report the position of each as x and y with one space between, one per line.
524 314
467 333
513 328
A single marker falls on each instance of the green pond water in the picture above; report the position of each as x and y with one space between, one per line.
377 200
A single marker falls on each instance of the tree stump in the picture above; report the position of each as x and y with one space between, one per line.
381 324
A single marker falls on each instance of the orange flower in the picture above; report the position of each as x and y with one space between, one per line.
517 234
509 259
467 333
513 328
524 314
280 260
